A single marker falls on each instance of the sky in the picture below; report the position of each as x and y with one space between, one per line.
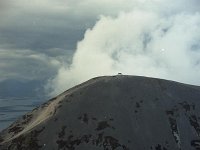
49 46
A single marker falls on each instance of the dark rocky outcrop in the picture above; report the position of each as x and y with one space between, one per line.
112 113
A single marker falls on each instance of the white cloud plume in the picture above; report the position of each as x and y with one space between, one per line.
161 40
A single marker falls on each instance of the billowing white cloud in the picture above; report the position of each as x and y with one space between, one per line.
161 40
158 38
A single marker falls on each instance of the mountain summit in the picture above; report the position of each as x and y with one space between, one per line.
112 113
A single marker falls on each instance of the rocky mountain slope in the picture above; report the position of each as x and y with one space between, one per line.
112 113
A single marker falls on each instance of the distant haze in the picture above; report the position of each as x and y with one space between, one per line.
62 43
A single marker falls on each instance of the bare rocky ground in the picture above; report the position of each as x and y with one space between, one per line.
112 113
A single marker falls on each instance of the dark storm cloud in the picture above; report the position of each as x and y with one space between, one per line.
26 64
42 32
35 39
38 38
3 5
42 25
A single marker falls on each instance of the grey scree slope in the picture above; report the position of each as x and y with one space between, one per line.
112 113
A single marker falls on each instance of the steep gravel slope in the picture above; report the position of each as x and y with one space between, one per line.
112 113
